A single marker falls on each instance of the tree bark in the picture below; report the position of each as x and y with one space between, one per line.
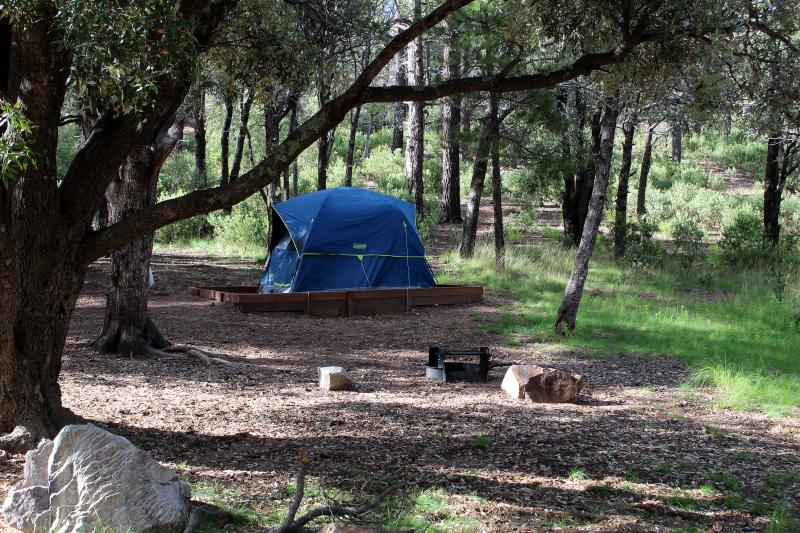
244 119
584 182
39 277
470 231
451 122
568 196
325 142
772 188
568 310
224 142
400 80
415 147
621 219
677 141
292 127
351 147
367 135
497 190
644 171
127 327
199 115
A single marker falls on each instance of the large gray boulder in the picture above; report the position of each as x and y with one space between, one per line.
88 479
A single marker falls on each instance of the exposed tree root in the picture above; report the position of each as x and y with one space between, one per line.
20 440
199 510
292 525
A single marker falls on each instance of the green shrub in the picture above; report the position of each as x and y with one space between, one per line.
742 240
747 156
688 241
386 169
246 226
642 249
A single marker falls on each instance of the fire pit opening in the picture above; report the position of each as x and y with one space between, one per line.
446 364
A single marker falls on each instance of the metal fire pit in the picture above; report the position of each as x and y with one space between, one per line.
456 369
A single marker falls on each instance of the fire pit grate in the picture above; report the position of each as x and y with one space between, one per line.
447 364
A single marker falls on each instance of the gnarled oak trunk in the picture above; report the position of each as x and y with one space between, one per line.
127 328
470 231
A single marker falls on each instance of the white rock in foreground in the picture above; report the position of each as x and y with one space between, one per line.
88 479
335 378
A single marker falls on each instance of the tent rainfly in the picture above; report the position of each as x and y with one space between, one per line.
344 238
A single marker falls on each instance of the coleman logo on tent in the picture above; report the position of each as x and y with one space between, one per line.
359 246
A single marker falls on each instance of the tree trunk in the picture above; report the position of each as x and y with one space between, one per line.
292 127
224 142
400 79
568 214
351 147
451 122
367 135
677 141
497 192
644 171
199 115
325 143
567 312
470 232
39 274
466 125
244 119
415 147
621 220
127 328
584 183
772 188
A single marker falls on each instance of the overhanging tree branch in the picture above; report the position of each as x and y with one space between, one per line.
100 243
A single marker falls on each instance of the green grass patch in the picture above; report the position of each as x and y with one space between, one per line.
578 474
482 442
722 321
425 511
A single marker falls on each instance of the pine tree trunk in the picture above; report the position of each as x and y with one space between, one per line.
644 171
584 183
416 124
451 122
355 114
677 141
244 119
568 310
292 127
400 79
497 190
772 189
367 135
225 140
470 232
325 143
621 220
199 114
568 196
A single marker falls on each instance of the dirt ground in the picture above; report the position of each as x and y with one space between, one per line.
632 455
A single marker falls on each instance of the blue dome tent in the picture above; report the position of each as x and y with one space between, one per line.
344 238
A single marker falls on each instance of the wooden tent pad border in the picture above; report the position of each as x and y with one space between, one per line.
342 303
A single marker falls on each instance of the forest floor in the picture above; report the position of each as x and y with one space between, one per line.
638 452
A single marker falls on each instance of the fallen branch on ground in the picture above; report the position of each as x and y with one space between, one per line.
179 352
290 525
